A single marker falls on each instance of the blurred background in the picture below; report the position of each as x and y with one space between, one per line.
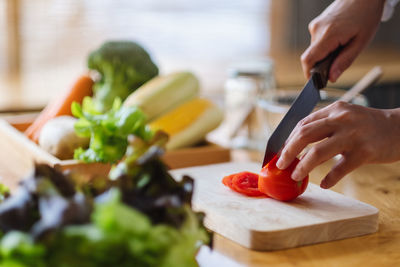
44 43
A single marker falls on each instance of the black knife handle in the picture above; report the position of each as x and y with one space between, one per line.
320 72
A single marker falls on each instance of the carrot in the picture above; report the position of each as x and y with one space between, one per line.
61 106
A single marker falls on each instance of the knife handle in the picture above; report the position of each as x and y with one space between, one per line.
320 72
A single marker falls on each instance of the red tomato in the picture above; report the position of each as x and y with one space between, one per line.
277 183
228 181
245 183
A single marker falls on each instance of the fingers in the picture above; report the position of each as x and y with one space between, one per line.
313 128
318 50
344 166
317 115
327 111
318 154
345 58
310 133
315 52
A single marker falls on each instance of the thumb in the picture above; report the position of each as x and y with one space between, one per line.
345 165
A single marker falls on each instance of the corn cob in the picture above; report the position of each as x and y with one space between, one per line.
164 93
189 123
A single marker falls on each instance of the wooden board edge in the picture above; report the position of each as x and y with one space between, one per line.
20 121
17 136
314 234
197 156
203 154
290 238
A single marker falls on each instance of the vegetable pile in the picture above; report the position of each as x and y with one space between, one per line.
126 94
271 182
139 216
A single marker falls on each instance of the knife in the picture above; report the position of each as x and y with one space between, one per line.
301 107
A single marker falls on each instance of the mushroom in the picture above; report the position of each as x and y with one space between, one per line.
58 137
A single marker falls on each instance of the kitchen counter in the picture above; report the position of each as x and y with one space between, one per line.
377 185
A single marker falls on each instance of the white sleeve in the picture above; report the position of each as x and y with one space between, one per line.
388 9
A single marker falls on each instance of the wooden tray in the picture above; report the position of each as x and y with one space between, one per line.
266 224
18 154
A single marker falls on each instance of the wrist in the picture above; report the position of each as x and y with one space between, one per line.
372 8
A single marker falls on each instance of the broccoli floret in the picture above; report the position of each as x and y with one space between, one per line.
124 66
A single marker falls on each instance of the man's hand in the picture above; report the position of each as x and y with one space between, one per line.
360 134
348 23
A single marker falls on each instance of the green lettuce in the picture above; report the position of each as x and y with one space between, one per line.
4 192
117 236
108 132
139 216
18 249
122 236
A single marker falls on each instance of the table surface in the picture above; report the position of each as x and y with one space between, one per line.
378 185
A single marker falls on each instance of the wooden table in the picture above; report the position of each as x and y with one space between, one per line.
378 185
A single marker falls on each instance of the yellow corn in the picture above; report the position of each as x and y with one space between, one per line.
164 93
189 123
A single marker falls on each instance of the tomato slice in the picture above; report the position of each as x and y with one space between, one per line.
246 183
227 180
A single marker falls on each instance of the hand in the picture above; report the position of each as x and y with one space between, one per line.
360 134
348 23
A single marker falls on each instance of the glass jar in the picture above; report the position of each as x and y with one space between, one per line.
247 83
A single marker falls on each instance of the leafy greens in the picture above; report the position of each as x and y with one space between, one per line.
108 131
140 216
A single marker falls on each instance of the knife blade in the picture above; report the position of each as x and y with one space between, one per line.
301 107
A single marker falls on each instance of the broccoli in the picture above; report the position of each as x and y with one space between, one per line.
123 66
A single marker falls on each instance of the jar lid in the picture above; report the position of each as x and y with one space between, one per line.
256 69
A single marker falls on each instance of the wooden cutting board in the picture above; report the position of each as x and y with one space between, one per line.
266 224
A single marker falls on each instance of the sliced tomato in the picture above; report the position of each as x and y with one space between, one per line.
227 180
246 183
